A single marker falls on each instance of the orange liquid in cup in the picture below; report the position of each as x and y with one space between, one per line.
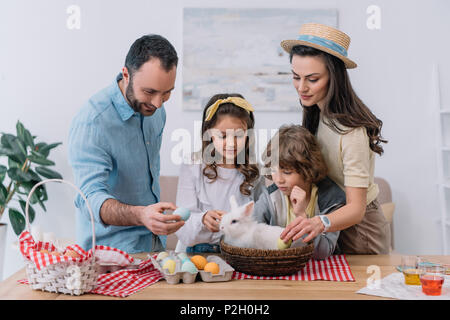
412 277
432 284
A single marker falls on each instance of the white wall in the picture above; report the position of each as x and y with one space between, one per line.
47 72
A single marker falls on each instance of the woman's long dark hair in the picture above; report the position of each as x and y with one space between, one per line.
249 171
342 105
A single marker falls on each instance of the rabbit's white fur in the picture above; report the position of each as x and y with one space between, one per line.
241 230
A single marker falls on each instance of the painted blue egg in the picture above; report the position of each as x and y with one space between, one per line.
188 266
183 212
182 256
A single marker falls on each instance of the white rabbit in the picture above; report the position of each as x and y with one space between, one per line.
241 230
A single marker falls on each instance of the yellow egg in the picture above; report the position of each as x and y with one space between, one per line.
199 261
170 265
212 267
282 245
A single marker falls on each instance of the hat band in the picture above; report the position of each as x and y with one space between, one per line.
324 43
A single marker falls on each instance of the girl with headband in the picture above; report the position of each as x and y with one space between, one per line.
349 135
225 166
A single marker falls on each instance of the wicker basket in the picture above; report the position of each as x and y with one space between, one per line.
68 277
261 262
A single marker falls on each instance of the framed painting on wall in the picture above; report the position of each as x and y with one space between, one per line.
238 51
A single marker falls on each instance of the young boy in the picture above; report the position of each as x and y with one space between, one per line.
302 194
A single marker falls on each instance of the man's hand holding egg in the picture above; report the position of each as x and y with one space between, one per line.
154 219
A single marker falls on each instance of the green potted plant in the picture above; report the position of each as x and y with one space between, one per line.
26 164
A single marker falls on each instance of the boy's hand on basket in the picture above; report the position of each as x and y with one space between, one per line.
211 220
154 219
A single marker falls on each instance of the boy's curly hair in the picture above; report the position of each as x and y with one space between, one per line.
297 150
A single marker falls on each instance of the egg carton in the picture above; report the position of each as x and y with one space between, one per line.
225 270
178 275
225 273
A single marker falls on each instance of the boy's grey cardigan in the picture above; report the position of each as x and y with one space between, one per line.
330 197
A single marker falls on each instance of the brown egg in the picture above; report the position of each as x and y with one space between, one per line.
55 253
44 251
72 253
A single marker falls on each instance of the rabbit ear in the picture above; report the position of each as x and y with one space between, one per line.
233 203
249 208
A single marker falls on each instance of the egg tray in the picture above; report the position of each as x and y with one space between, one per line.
225 273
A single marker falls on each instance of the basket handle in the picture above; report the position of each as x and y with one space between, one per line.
73 186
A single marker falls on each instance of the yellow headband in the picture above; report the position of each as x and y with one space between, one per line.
242 103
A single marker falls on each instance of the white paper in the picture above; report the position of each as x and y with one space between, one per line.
393 286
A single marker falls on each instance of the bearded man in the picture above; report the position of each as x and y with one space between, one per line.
114 145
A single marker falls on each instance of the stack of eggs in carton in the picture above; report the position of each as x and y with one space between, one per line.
176 266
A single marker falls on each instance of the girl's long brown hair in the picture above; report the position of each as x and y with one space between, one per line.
249 171
343 105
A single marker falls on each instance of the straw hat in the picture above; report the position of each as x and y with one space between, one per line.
323 38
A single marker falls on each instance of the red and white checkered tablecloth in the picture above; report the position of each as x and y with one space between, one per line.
125 282
334 268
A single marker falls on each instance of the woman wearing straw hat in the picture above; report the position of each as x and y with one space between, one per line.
349 135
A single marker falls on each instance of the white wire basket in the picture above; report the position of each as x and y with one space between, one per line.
68 277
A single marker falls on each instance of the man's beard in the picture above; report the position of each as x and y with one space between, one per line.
135 104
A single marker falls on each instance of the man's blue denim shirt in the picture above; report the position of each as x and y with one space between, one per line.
114 154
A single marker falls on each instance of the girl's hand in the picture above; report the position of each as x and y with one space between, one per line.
298 201
211 220
300 226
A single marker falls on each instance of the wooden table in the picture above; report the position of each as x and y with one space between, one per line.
237 289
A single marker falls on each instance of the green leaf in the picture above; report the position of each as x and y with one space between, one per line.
24 135
46 149
6 140
41 161
18 175
3 195
20 129
18 158
27 186
34 176
47 173
29 141
17 150
41 203
3 170
21 146
34 198
43 193
17 221
6 151
39 146
13 164
42 196
38 154
31 212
